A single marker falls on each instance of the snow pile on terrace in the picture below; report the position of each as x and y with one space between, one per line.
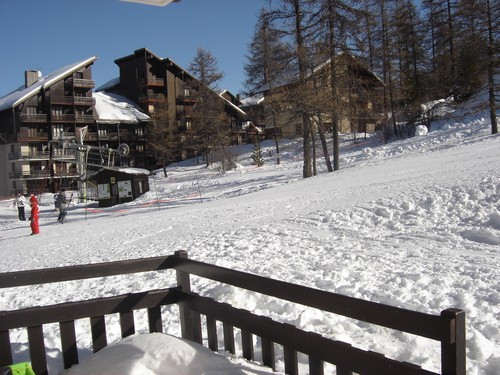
160 354
113 108
414 223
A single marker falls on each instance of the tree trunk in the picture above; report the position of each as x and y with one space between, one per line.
324 145
491 83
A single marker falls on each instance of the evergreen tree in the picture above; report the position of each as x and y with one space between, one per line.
257 158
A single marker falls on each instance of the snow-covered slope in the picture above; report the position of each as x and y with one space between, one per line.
413 223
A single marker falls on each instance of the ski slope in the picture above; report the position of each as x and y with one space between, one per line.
413 223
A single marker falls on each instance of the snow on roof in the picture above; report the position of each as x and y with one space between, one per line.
232 105
22 94
111 83
112 108
252 100
129 170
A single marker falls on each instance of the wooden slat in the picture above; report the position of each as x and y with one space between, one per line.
190 320
37 350
415 322
291 361
5 349
316 366
87 271
212 334
127 325
98 330
228 338
268 357
247 344
331 351
68 343
453 354
154 319
84 309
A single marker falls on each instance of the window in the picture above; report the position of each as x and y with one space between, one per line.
79 75
57 131
188 125
101 132
57 112
139 148
31 110
139 131
187 92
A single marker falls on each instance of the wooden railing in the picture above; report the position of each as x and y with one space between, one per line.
447 328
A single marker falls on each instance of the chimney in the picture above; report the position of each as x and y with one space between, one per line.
31 77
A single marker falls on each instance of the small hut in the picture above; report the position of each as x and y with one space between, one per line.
117 185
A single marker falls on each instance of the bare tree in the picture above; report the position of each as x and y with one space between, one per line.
160 137
211 131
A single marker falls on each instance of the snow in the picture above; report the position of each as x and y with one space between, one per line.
161 354
18 96
112 108
414 223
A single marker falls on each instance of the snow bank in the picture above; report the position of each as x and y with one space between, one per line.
159 354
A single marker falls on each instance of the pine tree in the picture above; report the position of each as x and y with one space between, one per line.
257 158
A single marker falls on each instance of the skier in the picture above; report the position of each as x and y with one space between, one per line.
61 205
35 229
20 203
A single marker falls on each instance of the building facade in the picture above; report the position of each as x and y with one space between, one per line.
35 120
159 84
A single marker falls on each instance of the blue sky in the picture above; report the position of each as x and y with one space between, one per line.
49 34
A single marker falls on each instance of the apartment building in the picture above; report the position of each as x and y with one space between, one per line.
153 82
34 122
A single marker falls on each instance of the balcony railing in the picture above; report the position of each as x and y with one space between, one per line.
32 137
25 117
73 100
84 118
151 98
84 100
63 118
38 155
79 82
35 173
61 100
152 81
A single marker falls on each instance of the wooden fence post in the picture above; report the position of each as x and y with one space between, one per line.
190 320
453 344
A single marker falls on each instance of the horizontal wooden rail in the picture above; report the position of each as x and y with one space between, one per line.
312 344
33 316
78 272
426 325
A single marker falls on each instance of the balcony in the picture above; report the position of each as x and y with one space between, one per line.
73 100
84 100
29 155
152 81
63 118
79 82
183 99
151 98
68 100
32 174
32 137
84 118
38 118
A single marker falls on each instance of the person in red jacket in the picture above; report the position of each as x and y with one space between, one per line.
35 229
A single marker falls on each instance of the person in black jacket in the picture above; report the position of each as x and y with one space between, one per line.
61 204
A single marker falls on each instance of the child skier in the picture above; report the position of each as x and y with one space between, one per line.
35 229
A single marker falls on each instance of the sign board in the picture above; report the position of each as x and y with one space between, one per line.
103 191
125 189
